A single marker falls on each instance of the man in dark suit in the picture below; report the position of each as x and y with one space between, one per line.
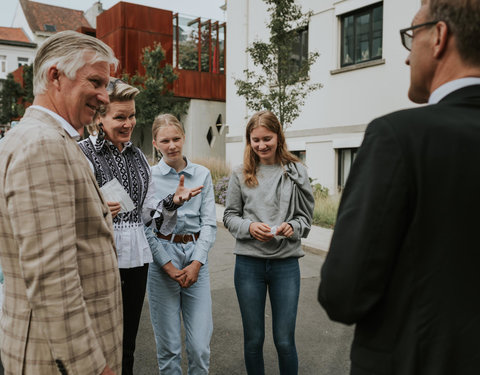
404 263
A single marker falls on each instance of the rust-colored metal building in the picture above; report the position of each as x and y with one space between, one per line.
194 47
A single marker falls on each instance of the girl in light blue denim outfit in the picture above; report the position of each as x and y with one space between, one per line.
178 279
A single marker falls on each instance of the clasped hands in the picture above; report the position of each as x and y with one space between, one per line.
262 231
185 277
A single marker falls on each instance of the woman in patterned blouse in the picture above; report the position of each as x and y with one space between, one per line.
113 156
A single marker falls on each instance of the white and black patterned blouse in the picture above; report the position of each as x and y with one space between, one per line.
131 169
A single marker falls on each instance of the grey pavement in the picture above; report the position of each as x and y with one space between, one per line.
323 346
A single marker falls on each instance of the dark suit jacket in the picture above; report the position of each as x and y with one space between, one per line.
404 263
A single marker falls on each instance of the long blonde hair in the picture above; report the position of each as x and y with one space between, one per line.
250 159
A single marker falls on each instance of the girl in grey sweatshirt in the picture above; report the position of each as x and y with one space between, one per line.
269 208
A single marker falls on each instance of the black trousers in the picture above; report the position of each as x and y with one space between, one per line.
134 282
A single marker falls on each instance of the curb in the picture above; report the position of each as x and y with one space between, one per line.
314 250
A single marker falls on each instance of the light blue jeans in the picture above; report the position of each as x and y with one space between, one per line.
168 302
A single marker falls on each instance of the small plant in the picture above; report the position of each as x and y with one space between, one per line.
320 191
326 208
326 205
220 172
220 190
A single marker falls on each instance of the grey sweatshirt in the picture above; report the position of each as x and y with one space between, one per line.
283 194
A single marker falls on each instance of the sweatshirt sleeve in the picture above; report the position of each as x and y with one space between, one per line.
304 201
233 214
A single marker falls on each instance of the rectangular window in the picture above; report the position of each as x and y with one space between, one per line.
3 64
346 156
299 48
301 154
22 61
362 35
50 28
198 45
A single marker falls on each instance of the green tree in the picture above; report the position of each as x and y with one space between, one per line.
28 84
9 100
279 83
155 95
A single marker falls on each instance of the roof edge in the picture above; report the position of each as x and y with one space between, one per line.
18 43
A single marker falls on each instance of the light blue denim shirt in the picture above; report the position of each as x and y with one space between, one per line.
196 215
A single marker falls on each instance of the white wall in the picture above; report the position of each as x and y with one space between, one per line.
12 53
348 101
202 115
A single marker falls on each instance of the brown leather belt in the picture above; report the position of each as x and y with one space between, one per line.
179 238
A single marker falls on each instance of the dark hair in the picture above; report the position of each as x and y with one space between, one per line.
463 20
250 159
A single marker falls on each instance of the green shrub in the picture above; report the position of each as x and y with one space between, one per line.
326 208
220 190
220 172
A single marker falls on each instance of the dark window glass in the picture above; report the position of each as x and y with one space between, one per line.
50 28
299 48
362 35
301 154
348 41
346 156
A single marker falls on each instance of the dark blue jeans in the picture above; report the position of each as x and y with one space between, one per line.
253 276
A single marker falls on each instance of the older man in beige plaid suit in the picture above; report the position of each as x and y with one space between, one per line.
62 308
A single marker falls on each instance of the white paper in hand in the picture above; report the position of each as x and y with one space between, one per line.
114 192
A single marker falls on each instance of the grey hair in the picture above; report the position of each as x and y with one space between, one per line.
118 91
66 50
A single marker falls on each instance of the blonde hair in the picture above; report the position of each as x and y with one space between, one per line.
67 50
118 91
164 120
250 159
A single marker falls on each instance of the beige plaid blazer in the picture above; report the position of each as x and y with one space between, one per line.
62 311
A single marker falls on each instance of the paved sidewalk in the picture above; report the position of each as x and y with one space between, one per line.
317 242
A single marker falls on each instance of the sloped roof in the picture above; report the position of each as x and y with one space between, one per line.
13 34
38 15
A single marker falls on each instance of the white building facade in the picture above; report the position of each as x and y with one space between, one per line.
13 54
361 66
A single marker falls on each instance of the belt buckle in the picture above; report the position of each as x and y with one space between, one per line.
185 238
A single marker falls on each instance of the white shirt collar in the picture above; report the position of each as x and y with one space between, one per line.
450 87
72 132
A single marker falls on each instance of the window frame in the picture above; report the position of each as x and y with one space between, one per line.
358 13
22 61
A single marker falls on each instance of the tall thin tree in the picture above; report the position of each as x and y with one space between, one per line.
281 81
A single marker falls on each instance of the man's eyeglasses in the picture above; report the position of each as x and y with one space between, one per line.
111 85
407 35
